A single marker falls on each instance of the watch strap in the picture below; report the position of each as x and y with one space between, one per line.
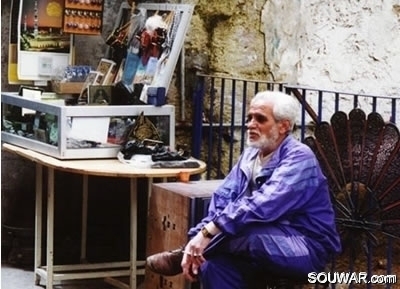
206 233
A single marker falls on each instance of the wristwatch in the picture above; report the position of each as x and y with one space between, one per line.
206 233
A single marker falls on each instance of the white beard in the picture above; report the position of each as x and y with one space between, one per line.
265 142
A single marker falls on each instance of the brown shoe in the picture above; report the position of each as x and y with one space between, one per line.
166 263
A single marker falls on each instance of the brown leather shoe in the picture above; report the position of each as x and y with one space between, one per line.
166 263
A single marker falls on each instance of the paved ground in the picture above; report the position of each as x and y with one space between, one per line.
19 278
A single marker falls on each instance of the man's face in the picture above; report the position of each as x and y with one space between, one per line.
263 131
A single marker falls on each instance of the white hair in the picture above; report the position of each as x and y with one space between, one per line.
284 106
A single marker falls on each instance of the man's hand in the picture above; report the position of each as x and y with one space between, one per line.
193 256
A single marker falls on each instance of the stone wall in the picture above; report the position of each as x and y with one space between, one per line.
350 46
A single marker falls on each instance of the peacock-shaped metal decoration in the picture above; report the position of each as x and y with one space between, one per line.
360 156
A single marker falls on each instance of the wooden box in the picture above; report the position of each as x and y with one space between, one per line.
67 87
174 208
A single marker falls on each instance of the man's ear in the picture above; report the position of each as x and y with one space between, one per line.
284 126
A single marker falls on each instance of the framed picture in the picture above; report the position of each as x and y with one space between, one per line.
38 59
93 78
106 67
99 94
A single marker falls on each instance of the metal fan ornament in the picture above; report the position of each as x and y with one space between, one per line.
360 156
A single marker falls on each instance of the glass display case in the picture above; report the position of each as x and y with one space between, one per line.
77 132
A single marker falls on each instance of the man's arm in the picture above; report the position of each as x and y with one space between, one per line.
225 193
290 186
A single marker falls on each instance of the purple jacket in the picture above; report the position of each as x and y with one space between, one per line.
292 194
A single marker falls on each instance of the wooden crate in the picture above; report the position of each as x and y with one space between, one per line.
67 87
174 208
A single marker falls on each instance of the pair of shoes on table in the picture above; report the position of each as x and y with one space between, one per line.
166 263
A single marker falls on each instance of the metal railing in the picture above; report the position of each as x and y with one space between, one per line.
319 105
220 105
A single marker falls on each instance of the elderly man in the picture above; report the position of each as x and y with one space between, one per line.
272 213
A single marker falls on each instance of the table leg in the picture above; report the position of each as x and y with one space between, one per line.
50 228
38 219
85 193
133 235
149 183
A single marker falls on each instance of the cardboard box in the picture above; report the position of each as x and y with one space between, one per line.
67 87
